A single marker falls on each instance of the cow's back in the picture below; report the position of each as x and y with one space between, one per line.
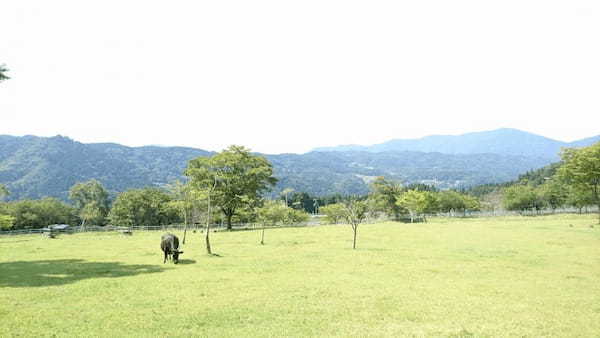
166 242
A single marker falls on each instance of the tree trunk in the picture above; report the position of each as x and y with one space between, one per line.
207 238
262 236
83 225
229 227
355 228
184 226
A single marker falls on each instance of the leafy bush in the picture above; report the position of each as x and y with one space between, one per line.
6 222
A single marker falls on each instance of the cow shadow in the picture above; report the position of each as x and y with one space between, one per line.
65 271
187 261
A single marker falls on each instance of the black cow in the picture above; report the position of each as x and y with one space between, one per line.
169 244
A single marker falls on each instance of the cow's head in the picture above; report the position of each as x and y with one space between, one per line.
176 256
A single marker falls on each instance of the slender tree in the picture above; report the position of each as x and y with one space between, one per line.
210 192
355 212
271 213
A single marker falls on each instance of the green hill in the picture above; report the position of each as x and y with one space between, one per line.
34 167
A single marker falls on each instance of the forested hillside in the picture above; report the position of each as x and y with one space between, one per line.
34 167
533 178
324 173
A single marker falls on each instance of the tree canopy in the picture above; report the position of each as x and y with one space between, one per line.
521 197
239 178
581 169
385 194
148 207
91 201
416 202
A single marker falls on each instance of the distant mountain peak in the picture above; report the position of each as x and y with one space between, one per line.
503 141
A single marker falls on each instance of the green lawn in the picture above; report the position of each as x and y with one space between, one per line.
515 276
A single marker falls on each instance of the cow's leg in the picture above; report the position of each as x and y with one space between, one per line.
165 257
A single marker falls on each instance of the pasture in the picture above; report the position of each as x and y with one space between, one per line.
512 276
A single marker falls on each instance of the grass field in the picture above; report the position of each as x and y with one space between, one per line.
514 276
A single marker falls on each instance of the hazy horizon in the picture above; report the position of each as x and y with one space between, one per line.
288 77
289 152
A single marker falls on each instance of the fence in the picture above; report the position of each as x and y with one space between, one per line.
500 213
315 221
180 227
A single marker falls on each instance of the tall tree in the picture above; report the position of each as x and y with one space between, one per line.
581 168
91 201
241 178
385 194
3 71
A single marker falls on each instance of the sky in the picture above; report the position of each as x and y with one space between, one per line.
289 76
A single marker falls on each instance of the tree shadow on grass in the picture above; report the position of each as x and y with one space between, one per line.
65 271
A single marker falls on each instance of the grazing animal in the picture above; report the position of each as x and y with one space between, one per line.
169 244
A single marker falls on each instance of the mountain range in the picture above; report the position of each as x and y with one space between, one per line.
505 141
34 167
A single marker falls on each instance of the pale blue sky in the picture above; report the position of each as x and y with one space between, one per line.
280 76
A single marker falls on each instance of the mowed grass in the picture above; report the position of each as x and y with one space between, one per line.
514 276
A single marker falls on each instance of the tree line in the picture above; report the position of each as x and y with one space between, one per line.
229 187
398 201
575 182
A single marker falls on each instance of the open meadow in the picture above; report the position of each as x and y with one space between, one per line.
512 276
